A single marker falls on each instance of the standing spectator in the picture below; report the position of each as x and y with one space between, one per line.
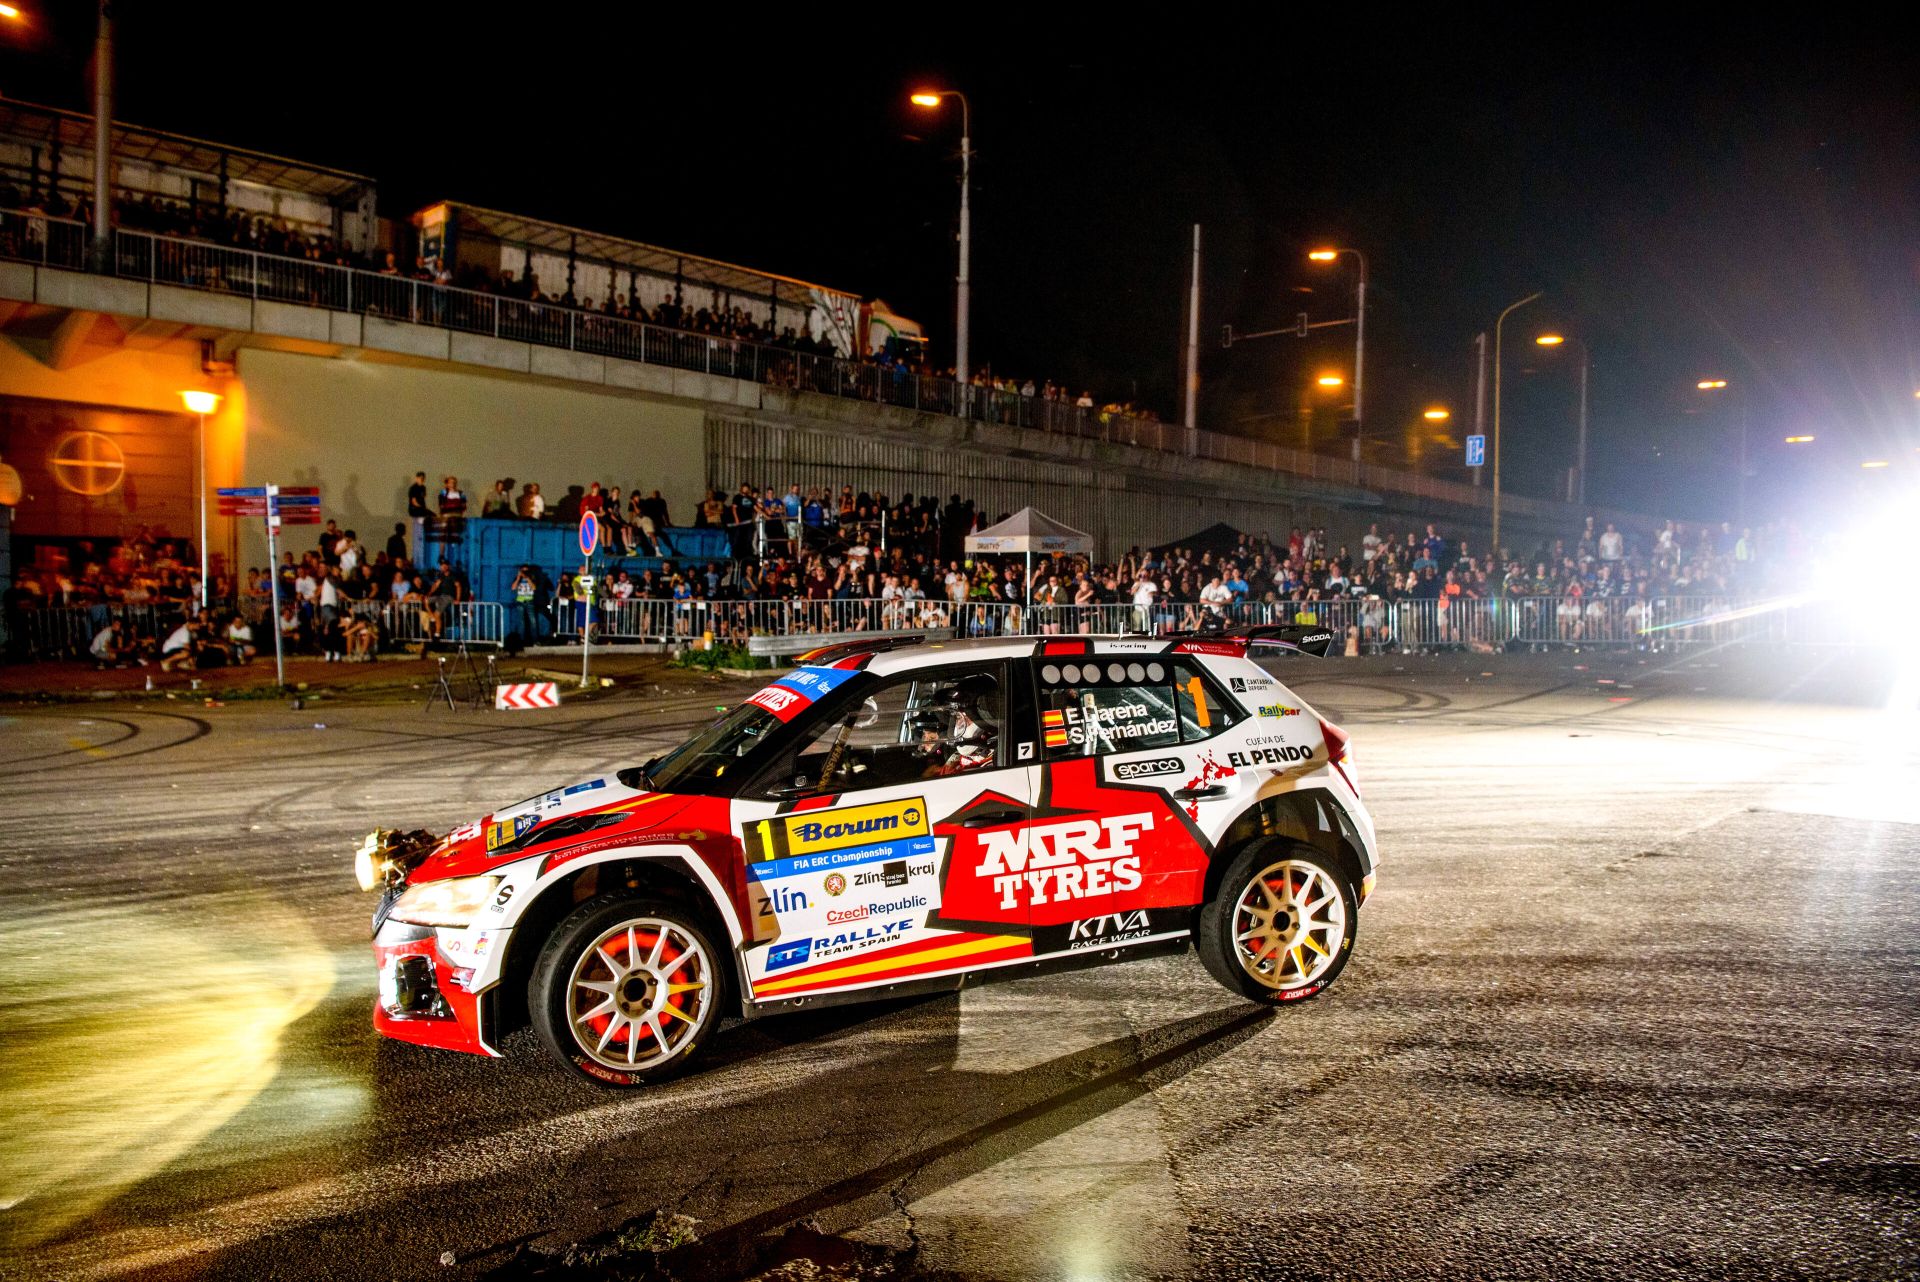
533 506
417 498
1612 546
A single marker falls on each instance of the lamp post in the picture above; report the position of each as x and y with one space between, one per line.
1579 491
1325 383
1711 386
202 404
930 98
1359 339
1498 330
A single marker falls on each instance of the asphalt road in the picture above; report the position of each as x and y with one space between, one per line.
1635 998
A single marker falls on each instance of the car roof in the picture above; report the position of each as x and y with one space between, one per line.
890 655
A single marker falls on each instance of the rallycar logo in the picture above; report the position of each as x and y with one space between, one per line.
1049 863
1278 710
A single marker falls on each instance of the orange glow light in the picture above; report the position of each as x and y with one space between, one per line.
1550 340
201 402
1330 380
1437 415
1709 384
9 11
925 99
1328 255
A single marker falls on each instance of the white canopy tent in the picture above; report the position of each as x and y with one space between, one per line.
1030 530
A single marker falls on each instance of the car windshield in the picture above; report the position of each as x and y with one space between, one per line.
719 759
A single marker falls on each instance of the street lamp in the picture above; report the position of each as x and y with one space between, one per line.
930 99
1359 338
1799 440
202 404
1330 380
9 12
1579 494
1437 414
1498 332
1711 385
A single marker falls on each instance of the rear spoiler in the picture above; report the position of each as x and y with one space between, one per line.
1306 639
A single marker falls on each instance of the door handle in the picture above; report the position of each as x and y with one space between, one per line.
993 819
1192 794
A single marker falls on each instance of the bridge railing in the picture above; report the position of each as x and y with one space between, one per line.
167 260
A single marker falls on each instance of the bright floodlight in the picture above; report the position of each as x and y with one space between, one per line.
8 11
201 402
1878 462
926 99
1330 380
1709 384
1799 440
1551 340
1437 415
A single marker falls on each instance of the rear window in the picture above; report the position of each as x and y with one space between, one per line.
1098 706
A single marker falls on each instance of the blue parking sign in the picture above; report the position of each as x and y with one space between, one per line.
1476 451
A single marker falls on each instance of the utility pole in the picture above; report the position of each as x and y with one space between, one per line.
1498 330
102 257
1193 350
1479 394
1580 464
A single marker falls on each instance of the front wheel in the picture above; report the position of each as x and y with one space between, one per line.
626 991
1280 928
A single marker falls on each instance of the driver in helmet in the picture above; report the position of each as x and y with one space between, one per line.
961 735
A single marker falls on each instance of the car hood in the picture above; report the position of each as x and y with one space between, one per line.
592 810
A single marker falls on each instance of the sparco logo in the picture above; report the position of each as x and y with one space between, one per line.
1046 863
1148 769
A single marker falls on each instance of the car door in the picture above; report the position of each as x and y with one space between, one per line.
851 840
1117 852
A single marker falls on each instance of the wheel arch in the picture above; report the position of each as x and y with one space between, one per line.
1311 815
679 876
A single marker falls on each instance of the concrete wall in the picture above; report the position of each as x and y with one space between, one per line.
359 429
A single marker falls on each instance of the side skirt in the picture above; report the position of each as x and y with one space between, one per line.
1055 963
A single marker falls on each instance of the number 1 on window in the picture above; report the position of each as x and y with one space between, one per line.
1199 693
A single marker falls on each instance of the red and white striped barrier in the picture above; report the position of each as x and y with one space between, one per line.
526 694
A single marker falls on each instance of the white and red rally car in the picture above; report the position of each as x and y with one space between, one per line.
888 819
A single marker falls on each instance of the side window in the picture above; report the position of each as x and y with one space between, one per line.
922 726
1203 713
1094 707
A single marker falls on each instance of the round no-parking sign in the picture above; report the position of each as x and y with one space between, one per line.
589 533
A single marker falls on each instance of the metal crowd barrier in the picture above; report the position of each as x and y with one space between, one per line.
67 631
412 621
1372 625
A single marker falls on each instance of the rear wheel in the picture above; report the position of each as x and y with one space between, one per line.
1281 927
626 991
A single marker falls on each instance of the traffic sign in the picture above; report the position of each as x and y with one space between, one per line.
589 533
242 491
1476 451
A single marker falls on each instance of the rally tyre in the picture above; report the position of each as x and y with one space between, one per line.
627 990
1280 928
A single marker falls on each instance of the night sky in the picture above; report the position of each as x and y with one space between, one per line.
1694 204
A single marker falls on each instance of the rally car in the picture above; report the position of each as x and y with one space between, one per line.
887 819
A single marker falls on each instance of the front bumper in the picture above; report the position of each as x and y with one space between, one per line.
425 995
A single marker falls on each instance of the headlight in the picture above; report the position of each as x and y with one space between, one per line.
388 855
369 862
444 903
